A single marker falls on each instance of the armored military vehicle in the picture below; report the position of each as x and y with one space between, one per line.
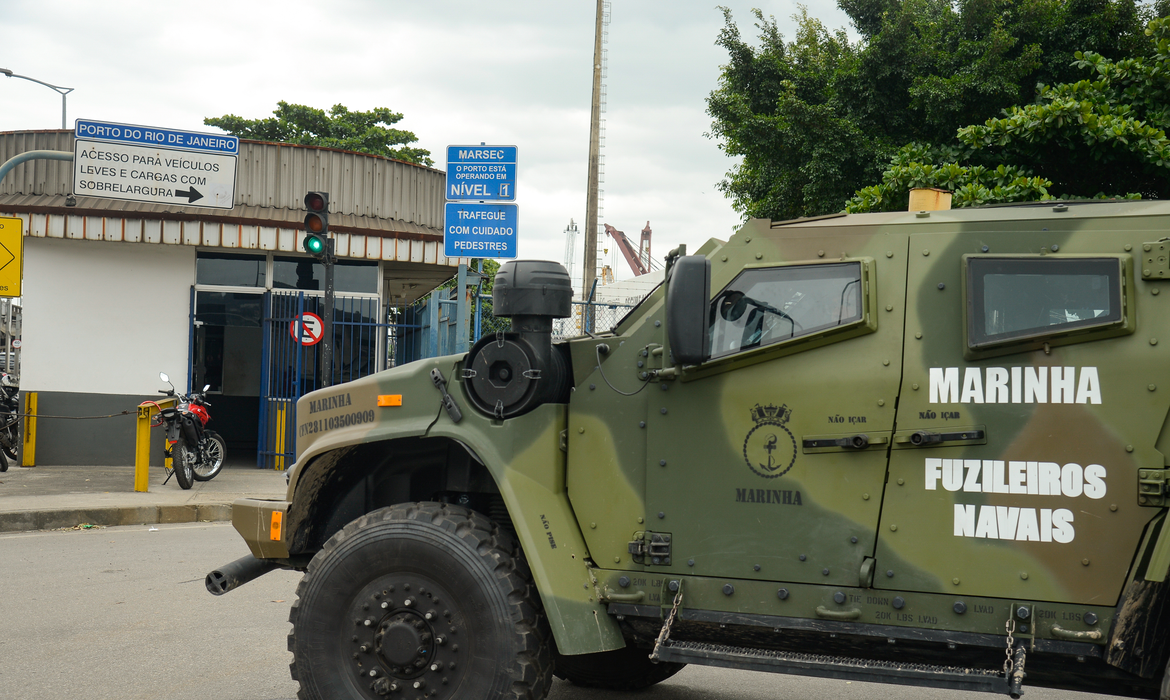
927 448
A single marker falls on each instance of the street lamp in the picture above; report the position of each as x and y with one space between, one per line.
63 90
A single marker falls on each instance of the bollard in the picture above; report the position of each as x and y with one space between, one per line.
278 463
146 411
28 452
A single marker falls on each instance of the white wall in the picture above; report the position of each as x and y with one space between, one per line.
105 318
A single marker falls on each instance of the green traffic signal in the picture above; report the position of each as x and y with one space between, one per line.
316 223
314 244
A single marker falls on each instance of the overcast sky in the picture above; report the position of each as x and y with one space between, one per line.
505 72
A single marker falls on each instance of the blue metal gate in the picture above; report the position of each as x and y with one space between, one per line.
291 368
366 340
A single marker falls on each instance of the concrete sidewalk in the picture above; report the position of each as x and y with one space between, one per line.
44 498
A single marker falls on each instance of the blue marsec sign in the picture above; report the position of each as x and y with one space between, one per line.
481 173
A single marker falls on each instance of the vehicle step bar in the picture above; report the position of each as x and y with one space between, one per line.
867 670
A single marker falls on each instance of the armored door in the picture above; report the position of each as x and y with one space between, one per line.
1028 406
768 461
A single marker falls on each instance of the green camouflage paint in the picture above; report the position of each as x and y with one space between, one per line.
724 458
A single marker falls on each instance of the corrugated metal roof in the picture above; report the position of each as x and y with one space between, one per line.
368 194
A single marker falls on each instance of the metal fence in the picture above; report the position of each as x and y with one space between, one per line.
587 317
291 361
405 330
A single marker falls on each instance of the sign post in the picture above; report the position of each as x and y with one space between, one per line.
11 256
155 165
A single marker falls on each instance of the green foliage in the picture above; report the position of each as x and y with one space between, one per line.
917 165
777 107
365 132
1105 134
490 267
817 118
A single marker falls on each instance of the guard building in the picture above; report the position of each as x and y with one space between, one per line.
116 291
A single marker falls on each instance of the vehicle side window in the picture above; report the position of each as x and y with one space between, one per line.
766 306
1013 298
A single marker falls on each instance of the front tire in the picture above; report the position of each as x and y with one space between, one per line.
181 461
628 668
214 450
424 599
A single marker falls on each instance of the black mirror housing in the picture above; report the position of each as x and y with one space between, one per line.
688 294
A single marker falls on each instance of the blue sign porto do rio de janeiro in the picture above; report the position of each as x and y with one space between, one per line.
476 230
155 136
481 173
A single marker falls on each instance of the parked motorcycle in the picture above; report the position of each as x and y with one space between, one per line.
9 419
196 453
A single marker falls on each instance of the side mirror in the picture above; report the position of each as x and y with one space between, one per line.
206 387
163 376
688 296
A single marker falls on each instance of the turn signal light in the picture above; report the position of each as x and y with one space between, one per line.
274 525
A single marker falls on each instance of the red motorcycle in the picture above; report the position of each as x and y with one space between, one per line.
196 452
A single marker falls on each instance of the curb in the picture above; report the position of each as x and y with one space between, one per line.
24 520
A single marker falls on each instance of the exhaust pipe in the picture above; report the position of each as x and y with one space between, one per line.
231 576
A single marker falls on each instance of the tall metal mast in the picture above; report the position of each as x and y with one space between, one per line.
570 246
589 263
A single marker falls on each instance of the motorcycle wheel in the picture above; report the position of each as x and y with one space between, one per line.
3 463
11 435
181 458
214 451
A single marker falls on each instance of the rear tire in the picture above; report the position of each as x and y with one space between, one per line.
3 463
214 452
403 589
629 668
10 439
181 460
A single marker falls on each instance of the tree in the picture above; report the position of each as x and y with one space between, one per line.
1100 136
365 132
820 117
490 267
778 108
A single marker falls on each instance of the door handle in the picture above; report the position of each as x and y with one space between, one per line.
924 438
846 443
857 442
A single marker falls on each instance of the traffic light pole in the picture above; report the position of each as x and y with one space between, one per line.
327 318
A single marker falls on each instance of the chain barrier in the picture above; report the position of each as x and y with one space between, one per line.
41 415
1010 626
664 634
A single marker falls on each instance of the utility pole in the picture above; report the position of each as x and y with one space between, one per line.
63 91
327 318
589 264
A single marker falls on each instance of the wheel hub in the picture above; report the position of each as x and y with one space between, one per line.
405 640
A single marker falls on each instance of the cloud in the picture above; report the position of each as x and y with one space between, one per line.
516 73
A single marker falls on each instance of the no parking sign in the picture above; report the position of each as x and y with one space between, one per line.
308 329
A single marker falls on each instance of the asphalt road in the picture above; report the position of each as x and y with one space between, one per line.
122 613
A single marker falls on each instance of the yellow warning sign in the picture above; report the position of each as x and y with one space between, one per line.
11 256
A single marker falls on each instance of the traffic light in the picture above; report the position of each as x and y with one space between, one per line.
316 224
